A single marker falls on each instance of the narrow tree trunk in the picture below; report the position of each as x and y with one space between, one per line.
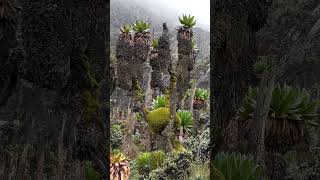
168 132
192 93
261 113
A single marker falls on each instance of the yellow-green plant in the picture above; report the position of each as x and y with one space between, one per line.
155 43
126 28
187 20
201 94
148 161
160 101
186 120
159 118
141 26
194 44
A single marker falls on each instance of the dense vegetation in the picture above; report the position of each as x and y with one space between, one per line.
165 118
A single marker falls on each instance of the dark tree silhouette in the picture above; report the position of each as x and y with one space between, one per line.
234 26
52 100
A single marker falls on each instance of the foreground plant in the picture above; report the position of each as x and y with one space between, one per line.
186 120
237 167
119 167
148 161
187 21
141 26
291 112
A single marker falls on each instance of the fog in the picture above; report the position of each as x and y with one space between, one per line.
174 8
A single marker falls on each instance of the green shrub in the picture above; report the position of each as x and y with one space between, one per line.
148 161
286 103
216 174
126 28
90 172
160 101
199 146
201 94
155 43
176 166
200 171
116 136
262 66
159 118
186 120
177 146
187 21
237 167
141 26
309 169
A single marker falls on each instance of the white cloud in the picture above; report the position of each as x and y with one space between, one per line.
198 8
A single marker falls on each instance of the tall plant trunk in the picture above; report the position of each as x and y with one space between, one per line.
193 91
235 24
124 58
168 133
260 116
160 60
141 47
185 62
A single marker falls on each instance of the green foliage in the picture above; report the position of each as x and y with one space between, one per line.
156 159
201 94
177 146
148 161
117 156
187 20
237 167
200 171
262 66
287 103
186 120
126 28
217 175
176 166
91 173
138 116
309 169
199 146
143 162
92 106
160 101
141 26
113 58
155 43
116 136
194 44
159 118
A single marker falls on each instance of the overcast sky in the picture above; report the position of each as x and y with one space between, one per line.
198 8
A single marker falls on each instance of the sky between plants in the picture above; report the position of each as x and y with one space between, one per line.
198 8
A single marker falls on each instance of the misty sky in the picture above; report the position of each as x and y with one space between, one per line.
198 8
